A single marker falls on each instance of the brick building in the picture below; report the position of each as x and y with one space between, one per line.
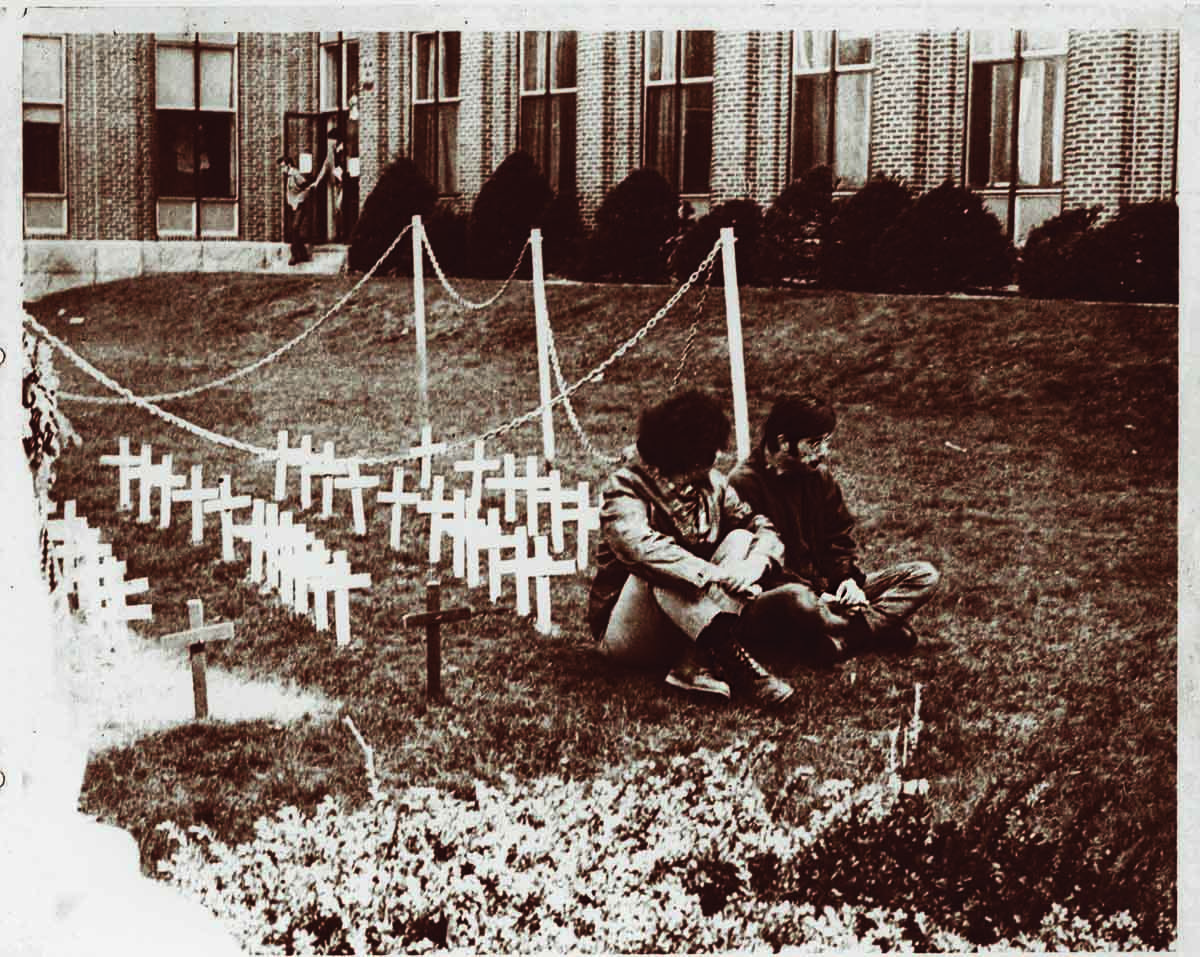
163 146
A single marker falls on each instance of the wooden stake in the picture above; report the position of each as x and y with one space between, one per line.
418 252
733 322
542 325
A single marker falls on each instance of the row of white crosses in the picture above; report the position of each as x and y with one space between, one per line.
283 555
87 569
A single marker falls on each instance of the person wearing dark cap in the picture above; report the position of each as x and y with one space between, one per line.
680 556
788 479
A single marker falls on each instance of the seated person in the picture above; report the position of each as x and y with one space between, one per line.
680 556
788 479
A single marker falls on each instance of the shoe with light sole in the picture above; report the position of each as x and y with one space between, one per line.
698 680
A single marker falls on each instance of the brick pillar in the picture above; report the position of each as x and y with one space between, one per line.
947 109
372 101
623 131
733 169
1156 68
899 89
771 104
475 82
1098 137
592 79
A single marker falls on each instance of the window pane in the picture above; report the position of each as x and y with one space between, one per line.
331 68
853 128
41 156
175 81
562 69
176 154
661 117
533 60
660 54
448 148
1000 169
424 142
46 215
854 50
697 138
350 88
698 53
979 142
214 139
562 151
992 44
329 36
423 88
810 124
813 50
534 127
218 219
195 153
1042 41
1039 137
41 69
451 44
177 216
216 80
225 39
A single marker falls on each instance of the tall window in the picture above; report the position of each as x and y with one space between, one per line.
679 102
436 58
339 111
1018 91
548 103
43 94
196 120
831 103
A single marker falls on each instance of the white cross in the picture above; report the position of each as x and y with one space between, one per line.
280 562
578 508
397 498
425 452
517 566
143 471
444 515
123 460
337 578
479 538
476 466
547 490
507 483
284 457
198 496
226 503
355 483
115 590
86 558
541 568
326 465
257 533
310 561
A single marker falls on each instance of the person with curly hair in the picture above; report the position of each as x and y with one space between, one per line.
788 479
680 557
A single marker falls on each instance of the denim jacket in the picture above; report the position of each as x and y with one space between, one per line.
666 534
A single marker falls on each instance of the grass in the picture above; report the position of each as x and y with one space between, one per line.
1027 448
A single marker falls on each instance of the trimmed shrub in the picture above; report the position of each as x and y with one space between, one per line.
746 218
510 204
857 223
790 242
1134 257
1048 266
446 229
634 223
565 235
946 241
401 193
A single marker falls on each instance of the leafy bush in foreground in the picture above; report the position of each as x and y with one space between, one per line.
635 220
745 217
789 246
1048 267
679 855
854 228
1134 257
401 193
510 204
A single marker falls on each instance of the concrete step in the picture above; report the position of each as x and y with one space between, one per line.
327 260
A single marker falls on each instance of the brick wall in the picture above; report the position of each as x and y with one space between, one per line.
899 89
946 112
772 105
1156 74
1099 107
734 122
608 110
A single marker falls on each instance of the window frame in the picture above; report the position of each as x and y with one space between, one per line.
60 105
546 93
1017 53
831 71
196 43
438 101
677 82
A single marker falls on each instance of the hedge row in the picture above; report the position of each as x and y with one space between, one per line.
883 238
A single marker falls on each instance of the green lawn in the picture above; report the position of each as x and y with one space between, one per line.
1028 449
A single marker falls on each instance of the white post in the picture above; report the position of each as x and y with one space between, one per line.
418 246
542 320
733 321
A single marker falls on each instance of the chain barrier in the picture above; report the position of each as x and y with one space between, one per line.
694 331
584 439
458 297
254 366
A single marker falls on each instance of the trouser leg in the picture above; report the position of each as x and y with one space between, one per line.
895 593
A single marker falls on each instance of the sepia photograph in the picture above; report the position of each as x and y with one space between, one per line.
642 479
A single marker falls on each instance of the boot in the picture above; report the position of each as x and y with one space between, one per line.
742 671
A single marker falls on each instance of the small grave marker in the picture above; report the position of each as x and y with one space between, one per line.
431 620
425 451
289 457
124 462
476 466
541 569
355 483
198 496
326 465
226 503
397 498
197 638
336 577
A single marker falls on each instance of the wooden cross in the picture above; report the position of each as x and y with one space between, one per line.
309 563
440 511
507 483
540 569
279 562
431 620
425 451
143 471
480 537
547 491
226 503
198 496
517 566
114 590
123 460
285 457
336 577
196 639
579 509
355 483
326 465
254 533
167 482
476 466
397 498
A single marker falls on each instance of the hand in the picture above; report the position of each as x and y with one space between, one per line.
741 577
850 596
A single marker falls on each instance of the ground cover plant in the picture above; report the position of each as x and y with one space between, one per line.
1026 448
